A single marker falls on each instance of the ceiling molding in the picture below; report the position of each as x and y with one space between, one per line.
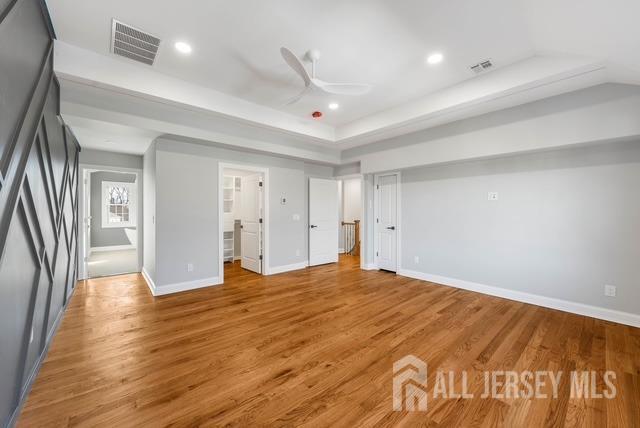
83 66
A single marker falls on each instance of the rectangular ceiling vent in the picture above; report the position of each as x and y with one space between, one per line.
481 66
133 43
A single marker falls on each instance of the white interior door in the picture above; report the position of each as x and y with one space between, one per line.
386 222
251 223
323 221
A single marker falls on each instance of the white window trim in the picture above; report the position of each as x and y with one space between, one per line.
132 205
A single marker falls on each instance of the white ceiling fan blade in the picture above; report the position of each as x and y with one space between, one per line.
342 88
299 96
297 65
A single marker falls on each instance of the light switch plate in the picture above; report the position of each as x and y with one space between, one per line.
492 196
610 290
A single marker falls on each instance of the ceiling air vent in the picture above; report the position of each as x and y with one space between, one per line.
133 43
481 66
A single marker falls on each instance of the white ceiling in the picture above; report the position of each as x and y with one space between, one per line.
111 137
236 71
236 44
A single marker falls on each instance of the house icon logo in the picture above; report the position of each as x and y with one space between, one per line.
410 384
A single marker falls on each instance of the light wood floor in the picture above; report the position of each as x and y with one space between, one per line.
315 348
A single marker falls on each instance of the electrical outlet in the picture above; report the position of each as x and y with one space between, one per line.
296 217
189 267
416 260
297 252
610 290
492 196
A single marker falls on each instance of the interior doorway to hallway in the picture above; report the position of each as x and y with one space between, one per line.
351 215
110 224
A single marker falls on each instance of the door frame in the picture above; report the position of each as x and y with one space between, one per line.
363 206
376 212
82 212
265 222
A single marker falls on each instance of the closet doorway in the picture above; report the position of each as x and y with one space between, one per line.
244 218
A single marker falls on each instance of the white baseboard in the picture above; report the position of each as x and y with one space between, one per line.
369 266
112 248
534 299
147 278
178 287
287 268
341 251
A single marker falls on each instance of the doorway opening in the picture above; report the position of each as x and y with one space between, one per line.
110 226
351 209
243 219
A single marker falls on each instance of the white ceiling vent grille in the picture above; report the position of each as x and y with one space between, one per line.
133 43
481 66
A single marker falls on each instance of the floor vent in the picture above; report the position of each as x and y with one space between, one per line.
133 43
481 66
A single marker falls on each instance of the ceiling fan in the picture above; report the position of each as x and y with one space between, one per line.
311 81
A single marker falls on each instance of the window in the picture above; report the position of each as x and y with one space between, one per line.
119 204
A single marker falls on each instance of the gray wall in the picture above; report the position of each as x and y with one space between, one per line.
102 158
601 113
566 223
38 194
149 211
108 236
187 175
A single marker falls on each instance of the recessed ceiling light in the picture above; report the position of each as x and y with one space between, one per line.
435 58
334 106
183 47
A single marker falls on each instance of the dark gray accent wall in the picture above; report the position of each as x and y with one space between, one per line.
38 188
106 237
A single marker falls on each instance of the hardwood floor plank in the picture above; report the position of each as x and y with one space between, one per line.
316 347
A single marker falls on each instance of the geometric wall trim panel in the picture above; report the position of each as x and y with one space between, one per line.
38 200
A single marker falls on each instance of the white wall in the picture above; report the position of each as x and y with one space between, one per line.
567 222
187 208
352 199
